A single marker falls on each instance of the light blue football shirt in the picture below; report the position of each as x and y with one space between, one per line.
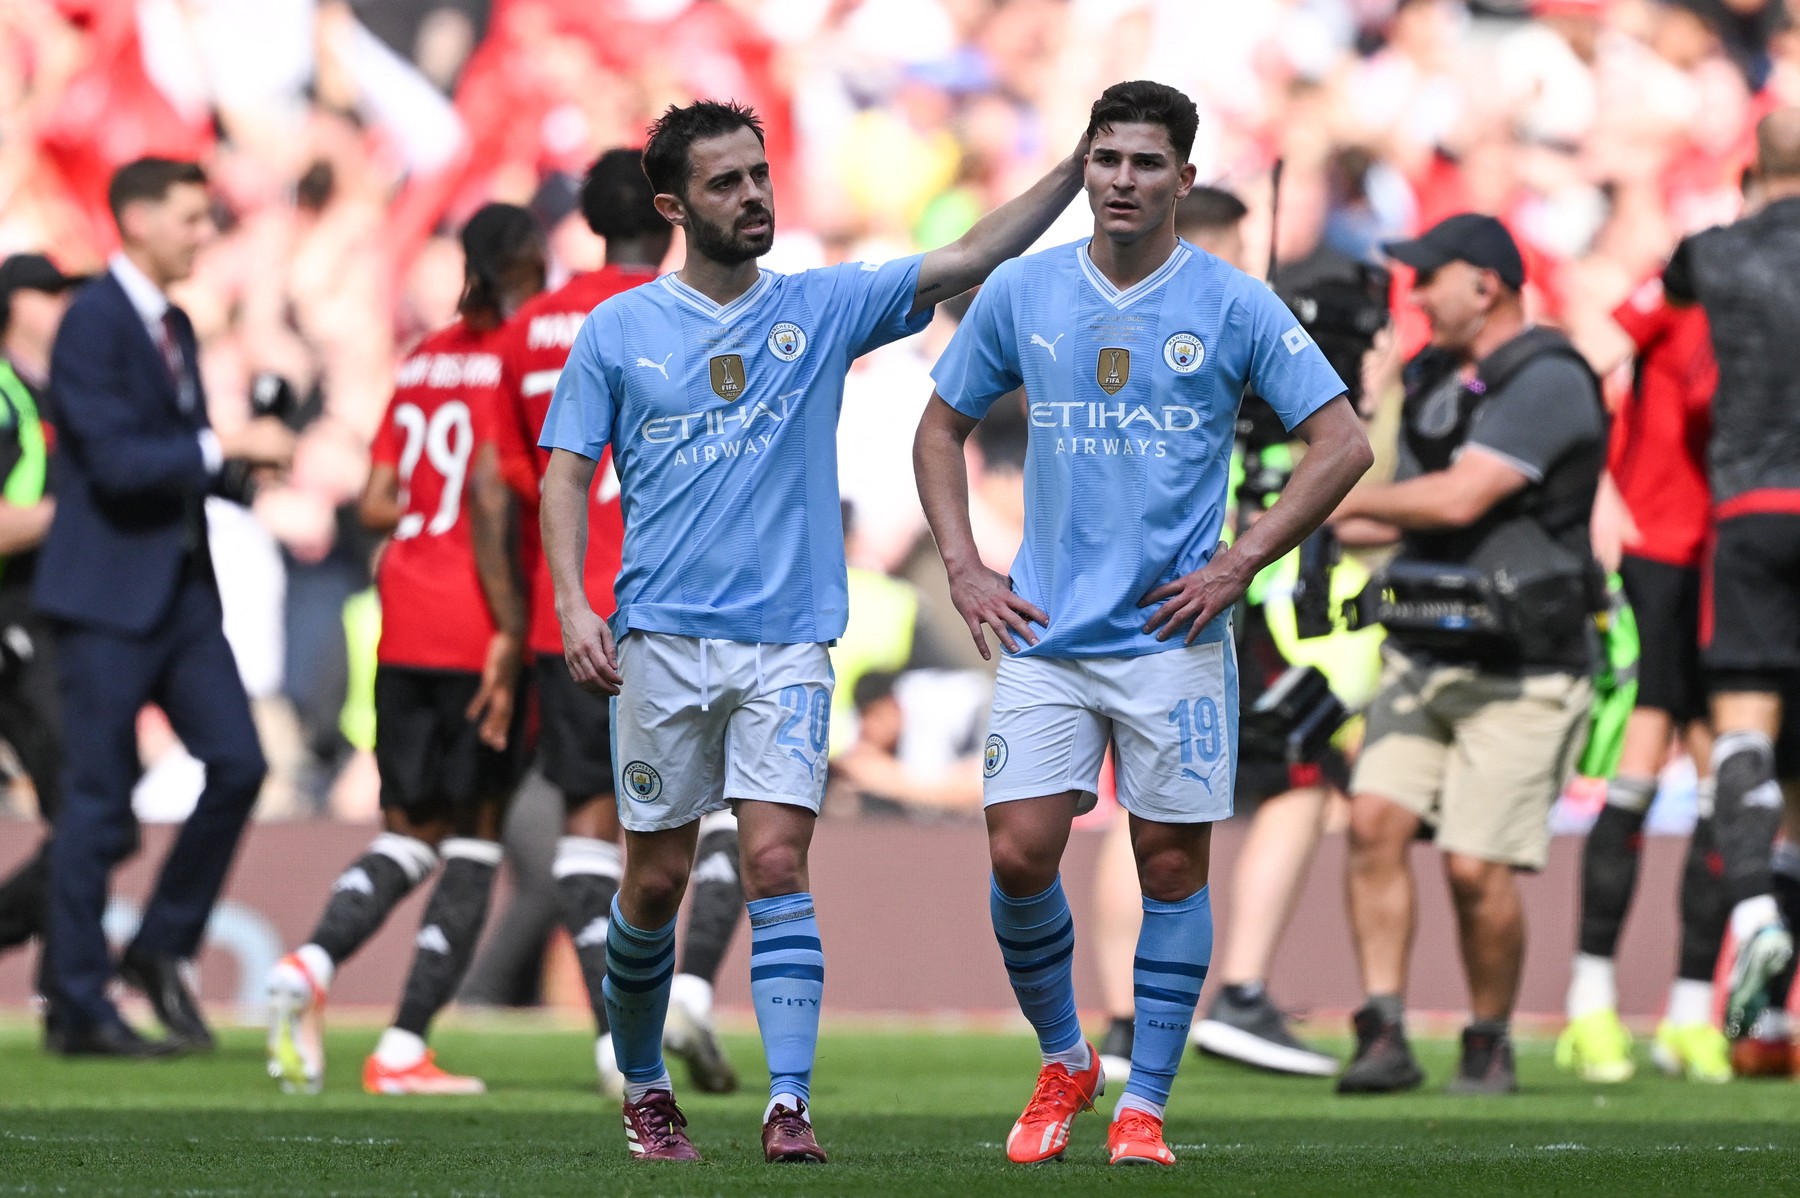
1132 399
723 426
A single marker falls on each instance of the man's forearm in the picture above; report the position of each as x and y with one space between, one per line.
563 521
1330 467
1422 504
943 479
1004 233
491 529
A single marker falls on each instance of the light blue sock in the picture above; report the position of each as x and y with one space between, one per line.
787 983
1037 942
639 968
1173 948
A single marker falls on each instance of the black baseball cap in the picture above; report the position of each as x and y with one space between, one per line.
1468 237
30 272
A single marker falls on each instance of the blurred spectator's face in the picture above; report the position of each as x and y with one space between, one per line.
169 233
729 208
35 315
1456 299
1133 178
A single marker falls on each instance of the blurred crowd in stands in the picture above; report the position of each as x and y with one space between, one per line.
348 139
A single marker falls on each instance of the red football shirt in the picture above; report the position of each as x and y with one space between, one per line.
1657 454
434 614
533 348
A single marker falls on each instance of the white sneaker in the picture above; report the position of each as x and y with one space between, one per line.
606 1062
296 1027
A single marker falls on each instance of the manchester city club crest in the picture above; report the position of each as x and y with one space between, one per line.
993 756
787 341
642 782
1184 353
727 373
1113 370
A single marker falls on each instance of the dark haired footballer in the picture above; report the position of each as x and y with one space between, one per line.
717 391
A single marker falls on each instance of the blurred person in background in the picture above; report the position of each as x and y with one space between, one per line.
449 720
1652 522
1746 277
871 778
575 738
128 578
34 294
1473 734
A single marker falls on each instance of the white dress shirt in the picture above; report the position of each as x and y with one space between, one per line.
152 306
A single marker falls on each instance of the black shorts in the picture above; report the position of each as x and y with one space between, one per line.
429 753
1259 779
574 733
1751 621
1665 600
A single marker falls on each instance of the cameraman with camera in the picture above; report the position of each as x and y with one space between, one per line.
1489 610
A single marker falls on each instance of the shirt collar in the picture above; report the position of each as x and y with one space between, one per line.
145 296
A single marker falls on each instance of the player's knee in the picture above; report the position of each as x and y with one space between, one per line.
1020 867
657 890
1172 874
773 868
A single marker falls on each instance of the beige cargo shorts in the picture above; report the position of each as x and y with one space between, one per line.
1479 756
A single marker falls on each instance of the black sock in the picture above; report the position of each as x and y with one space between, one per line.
1242 994
22 899
587 878
1609 872
1391 1007
1747 811
718 903
1785 880
448 932
1705 909
1498 1028
365 894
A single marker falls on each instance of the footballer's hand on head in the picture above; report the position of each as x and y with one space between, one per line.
492 707
984 596
592 655
1194 599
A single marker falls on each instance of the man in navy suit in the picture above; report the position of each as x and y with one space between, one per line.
126 577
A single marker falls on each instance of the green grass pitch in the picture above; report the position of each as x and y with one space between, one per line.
914 1113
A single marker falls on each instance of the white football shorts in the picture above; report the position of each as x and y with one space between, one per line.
1170 718
701 722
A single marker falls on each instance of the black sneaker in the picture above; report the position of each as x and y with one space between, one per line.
1486 1066
1115 1050
1384 1062
1255 1032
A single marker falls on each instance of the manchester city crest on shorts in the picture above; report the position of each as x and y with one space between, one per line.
1184 353
1113 370
787 341
727 373
993 757
642 782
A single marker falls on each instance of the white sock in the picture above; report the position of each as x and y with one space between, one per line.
634 1091
1690 1002
399 1050
1137 1102
1592 986
1753 914
318 962
692 993
1076 1058
1773 1024
792 1102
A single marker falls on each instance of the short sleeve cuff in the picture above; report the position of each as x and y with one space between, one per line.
1533 473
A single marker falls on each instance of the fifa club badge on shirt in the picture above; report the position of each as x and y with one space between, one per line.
642 781
727 377
787 341
1184 353
993 757
1113 370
